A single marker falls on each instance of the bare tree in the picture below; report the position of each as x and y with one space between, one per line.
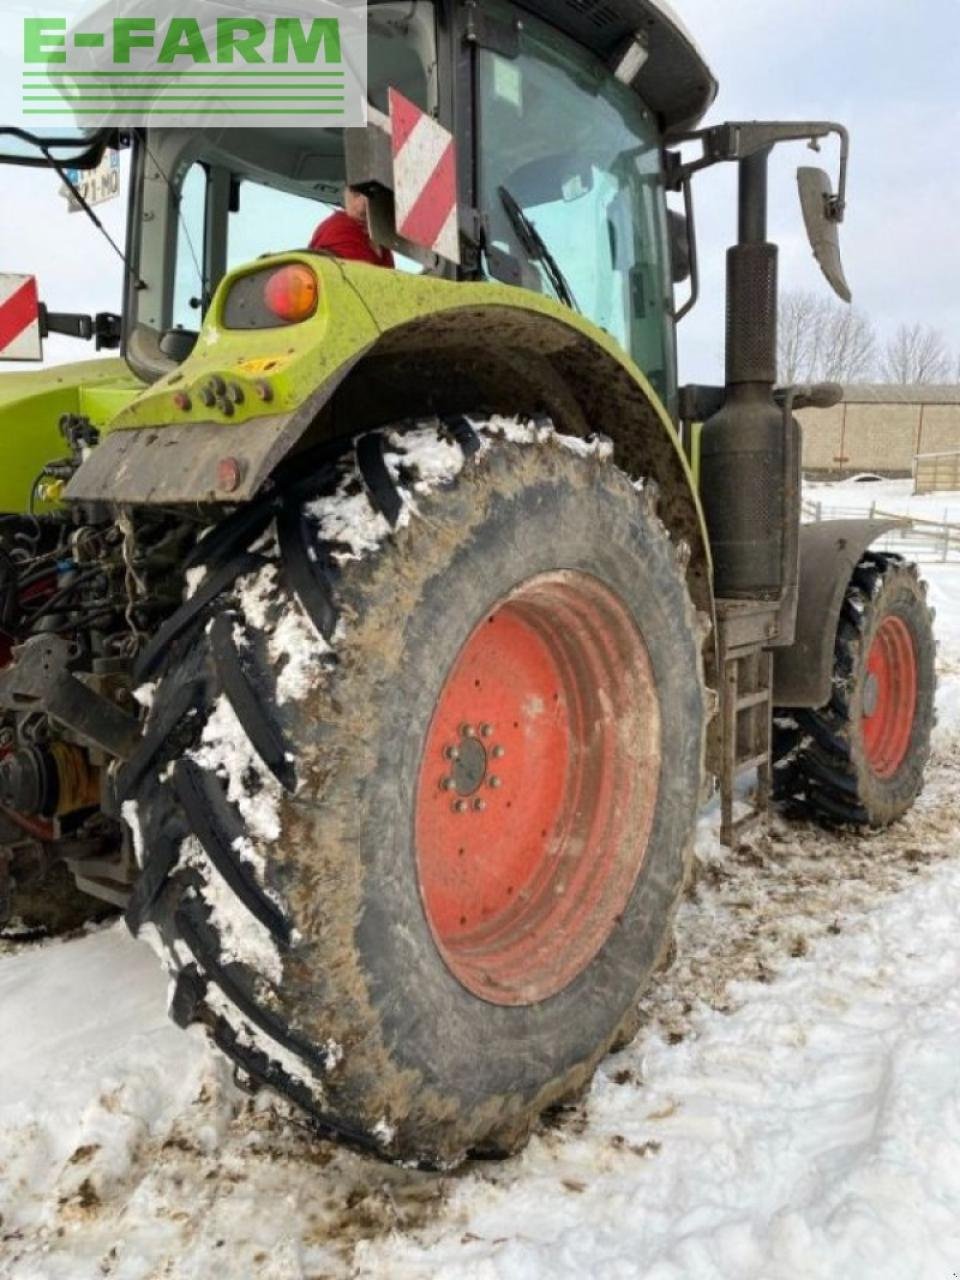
820 340
849 350
796 331
916 353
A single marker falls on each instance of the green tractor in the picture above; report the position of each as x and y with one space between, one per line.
373 637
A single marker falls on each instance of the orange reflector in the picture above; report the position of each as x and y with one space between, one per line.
229 474
291 293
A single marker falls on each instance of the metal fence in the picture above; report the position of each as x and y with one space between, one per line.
914 538
936 472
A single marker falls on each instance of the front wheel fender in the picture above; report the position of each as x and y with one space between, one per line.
829 553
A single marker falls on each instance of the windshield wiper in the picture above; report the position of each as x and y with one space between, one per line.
535 247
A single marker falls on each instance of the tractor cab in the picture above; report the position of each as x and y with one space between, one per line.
557 114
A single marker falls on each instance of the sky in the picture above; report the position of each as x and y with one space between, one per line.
888 70
885 68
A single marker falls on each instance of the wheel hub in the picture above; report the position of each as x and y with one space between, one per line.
871 694
469 759
537 788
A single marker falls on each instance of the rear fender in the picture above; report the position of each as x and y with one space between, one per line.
382 347
829 553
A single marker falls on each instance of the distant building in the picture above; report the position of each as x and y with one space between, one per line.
881 428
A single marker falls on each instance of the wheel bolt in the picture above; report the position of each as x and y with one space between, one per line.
479 805
467 731
499 752
486 730
460 806
452 753
447 784
495 781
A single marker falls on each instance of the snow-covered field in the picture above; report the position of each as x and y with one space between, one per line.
892 497
791 1108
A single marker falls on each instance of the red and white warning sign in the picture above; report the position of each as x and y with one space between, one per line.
19 318
424 179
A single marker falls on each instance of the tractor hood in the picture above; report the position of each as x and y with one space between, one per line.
31 406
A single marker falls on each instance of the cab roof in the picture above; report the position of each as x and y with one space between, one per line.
675 81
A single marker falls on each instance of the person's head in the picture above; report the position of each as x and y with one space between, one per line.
355 204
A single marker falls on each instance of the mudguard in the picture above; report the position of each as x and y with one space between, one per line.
829 553
384 346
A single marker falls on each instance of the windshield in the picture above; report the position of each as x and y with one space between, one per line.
580 155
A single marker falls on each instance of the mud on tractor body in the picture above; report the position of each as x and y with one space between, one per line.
372 638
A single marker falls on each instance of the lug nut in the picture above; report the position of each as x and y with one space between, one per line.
460 806
498 753
486 730
225 406
452 753
479 805
181 400
467 731
217 385
448 784
263 391
495 782
235 393
207 397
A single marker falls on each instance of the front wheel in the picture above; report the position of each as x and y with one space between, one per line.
859 760
415 874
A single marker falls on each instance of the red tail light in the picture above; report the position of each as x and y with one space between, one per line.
291 293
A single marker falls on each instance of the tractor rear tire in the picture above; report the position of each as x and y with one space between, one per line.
859 761
415 875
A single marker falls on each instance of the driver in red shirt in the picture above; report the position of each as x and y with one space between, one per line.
346 233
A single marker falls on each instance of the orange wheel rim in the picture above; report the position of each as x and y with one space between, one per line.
889 697
537 788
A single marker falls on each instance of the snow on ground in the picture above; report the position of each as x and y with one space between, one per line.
893 497
790 1109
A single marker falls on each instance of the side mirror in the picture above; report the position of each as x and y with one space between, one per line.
678 232
821 216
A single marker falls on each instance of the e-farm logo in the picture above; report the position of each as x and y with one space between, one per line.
201 64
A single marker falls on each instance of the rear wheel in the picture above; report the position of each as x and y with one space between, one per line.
860 759
415 874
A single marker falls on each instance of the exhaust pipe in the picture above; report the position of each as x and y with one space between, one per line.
750 449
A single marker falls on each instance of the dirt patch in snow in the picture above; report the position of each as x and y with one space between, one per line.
750 909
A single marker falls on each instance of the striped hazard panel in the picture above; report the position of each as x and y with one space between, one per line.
424 179
19 318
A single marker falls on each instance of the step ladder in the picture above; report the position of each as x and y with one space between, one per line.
745 723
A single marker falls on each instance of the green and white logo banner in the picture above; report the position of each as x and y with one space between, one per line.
194 63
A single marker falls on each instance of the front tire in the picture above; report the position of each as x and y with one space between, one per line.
859 761
421 957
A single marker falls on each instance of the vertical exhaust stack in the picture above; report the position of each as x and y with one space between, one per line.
750 450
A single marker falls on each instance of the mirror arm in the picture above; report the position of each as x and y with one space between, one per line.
691 302
104 327
736 141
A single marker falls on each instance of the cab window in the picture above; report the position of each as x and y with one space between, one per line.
580 156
